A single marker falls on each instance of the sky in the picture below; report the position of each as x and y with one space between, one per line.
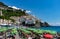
45 10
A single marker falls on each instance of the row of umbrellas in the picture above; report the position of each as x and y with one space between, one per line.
40 31
3 29
25 31
28 30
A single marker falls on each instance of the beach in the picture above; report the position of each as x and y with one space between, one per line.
21 32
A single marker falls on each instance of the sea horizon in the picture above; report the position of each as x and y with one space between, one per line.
54 28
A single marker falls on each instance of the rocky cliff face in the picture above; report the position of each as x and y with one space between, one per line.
44 24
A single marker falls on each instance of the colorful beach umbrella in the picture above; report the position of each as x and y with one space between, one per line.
50 31
49 36
14 31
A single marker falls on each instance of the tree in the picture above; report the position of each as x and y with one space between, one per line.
12 20
1 17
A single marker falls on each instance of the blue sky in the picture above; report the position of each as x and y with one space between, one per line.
46 10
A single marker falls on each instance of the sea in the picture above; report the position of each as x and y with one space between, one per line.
54 28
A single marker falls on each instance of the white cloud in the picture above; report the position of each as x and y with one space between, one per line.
22 9
55 24
27 11
14 7
9 6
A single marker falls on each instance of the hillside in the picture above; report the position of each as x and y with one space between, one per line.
8 13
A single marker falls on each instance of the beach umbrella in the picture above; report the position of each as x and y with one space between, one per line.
34 30
53 32
48 36
47 31
1 30
4 29
40 32
50 31
14 32
27 32
30 29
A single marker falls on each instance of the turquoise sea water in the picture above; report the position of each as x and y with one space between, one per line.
55 28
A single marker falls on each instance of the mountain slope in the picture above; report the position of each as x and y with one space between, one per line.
6 12
9 13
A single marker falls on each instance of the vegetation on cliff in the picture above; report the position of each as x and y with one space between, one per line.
8 12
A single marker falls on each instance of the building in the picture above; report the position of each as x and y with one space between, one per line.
5 22
27 20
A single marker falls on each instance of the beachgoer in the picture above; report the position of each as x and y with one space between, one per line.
34 36
13 37
58 35
29 36
38 37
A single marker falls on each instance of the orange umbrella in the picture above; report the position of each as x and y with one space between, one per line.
48 36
